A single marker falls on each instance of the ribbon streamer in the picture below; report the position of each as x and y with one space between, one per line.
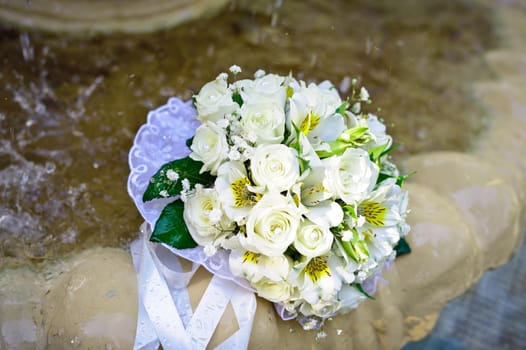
165 314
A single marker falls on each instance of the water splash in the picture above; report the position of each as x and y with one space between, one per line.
28 51
42 204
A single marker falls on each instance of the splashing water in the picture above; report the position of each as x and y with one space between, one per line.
44 208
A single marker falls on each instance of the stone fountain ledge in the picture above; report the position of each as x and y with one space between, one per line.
468 212
81 17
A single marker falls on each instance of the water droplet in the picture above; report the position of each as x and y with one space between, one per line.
75 342
50 167
27 49
321 335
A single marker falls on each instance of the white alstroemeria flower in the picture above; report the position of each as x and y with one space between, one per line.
269 88
200 215
214 101
275 167
351 176
271 225
379 249
350 298
384 213
209 146
402 209
323 308
275 291
233 185
315 280
343 266
263 122
313 111
315 197
313 191
325 95
386 207
325 214
255 266
313 240
377 128
308 153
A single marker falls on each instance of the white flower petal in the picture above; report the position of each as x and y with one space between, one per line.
326 214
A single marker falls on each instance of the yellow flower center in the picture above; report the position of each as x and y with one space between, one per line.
318 188
373 212
308 124
250 257
317 268
242 196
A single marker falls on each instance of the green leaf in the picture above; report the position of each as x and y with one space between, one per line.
171 229
350 211
160 186
304 164
402 178
360 289
382 177
296 144
236 97
390 149
189 142
343 107
377 152
402 247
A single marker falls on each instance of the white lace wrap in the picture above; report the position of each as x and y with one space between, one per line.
165 315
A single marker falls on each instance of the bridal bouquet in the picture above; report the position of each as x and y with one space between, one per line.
296 184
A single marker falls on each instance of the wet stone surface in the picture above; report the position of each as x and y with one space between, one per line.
70 107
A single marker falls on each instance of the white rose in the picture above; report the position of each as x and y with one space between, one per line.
275 167
203 217
313 240
263 122
275 291
269 88
271 225
350 176
209 146
214 101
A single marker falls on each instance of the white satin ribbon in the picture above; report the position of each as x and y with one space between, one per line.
165 315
